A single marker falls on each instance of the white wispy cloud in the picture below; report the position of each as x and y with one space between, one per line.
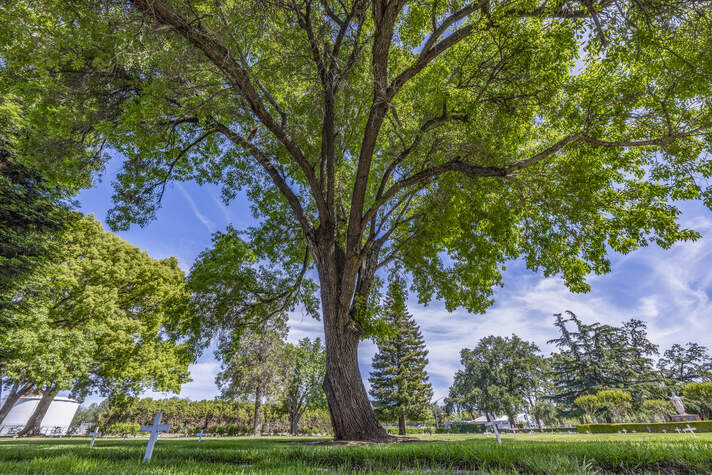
207 222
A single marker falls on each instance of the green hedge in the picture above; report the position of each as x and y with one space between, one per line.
549 429
412 430
463 429
700 426
121 428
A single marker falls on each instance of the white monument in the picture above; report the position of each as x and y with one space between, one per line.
681 415
155 430
677 402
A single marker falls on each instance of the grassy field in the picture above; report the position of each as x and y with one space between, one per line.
525 453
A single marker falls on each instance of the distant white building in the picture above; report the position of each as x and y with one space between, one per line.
56 422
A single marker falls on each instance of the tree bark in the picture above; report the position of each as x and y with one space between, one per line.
15 394
512 422
34 423
351 414
293 422
401 424
256 421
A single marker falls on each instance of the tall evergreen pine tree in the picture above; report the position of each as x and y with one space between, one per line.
399 384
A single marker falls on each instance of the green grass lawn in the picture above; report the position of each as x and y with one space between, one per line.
525 453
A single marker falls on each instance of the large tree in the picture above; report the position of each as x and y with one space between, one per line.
449 137
594 357
107 319
33 212
498 375
399 383
685 364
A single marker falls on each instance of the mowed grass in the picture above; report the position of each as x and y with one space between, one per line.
525 453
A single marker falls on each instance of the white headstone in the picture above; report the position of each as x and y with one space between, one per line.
94 435
200 435
154 431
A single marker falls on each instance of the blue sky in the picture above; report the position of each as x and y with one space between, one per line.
669 290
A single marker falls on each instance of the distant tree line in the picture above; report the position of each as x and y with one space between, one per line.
599 372
215 416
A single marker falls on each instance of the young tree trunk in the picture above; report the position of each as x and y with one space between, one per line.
512 422
15 394
256 421
34 423
351 414
293 422
401 424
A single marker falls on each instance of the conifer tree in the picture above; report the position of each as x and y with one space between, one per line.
399 383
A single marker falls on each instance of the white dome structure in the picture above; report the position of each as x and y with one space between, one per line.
56 422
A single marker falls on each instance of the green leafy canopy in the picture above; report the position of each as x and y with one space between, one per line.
450 137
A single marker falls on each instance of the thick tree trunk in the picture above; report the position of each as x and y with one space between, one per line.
401 424
13 396
256 421
34 423
351 414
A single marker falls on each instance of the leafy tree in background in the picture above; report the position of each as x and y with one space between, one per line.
596 357
108 319
399 383
252 362
445 137
616 401
545 413
590 404
685 364
659 408
701 392
498 375
304 367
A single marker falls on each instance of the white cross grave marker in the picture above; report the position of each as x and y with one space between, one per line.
200 435
94 435
691 430
155 431
496 432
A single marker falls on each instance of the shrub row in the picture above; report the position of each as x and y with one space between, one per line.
550 429
700 426
234 430
191 416
121 428
412 430
463 429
